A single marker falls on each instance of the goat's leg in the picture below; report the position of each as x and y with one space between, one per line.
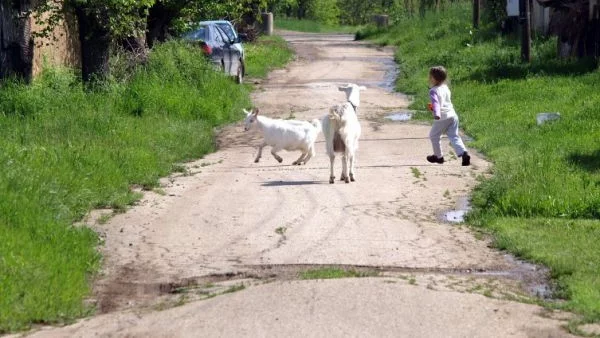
309 155
345 176
300 159
259 155
274 151
352 160
331 176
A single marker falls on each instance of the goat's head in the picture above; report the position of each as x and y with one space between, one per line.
251 118
352 93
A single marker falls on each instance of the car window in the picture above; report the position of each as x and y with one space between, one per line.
218 36
198 34
223 35
228 30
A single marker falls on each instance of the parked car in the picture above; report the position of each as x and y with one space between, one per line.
220 49
228 28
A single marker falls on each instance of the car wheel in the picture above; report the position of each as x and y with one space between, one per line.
239 77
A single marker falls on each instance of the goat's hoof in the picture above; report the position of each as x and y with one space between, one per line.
352 178
342 178
332 180
347 180
256 161
279 160
295 163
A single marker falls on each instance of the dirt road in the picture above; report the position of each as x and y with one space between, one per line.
241 233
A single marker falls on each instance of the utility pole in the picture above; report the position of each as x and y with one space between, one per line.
525 20
476 13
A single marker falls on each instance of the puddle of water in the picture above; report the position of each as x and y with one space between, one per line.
401 116
463 206
535 278
455 216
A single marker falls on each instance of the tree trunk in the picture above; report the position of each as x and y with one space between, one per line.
16 43
95 46
159 20
476 13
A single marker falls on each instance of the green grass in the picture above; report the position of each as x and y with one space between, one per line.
416 172
268 53
543 201
234 288
65 150
312 26
551 241
333 273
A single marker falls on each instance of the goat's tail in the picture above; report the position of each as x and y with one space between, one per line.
317 125
334 114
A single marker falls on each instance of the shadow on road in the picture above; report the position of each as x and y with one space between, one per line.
291 183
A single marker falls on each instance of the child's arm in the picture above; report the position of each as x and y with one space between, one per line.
435 103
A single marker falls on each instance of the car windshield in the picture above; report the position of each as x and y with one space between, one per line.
199 34
228 30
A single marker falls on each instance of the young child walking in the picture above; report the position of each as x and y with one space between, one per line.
446 120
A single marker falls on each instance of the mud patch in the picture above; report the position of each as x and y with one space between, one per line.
530 281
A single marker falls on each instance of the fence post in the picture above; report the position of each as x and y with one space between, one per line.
525 17
476 13
267 23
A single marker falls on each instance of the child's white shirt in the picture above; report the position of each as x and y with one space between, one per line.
441 99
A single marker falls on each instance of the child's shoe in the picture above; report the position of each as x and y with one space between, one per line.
435 159
466 159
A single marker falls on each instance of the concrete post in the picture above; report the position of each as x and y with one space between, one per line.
267 23
381 21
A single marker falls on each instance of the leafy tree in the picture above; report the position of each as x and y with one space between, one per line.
105 22
100 23
325 11
176 16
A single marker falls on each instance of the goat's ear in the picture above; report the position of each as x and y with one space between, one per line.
246 112
255 111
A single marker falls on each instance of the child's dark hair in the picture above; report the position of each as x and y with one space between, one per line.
438 73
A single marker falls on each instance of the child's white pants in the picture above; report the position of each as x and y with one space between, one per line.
450 127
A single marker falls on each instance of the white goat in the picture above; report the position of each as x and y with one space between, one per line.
287 135
342 131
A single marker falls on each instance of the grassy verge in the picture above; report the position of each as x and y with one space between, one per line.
65 151
543 201
311 26
267 53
